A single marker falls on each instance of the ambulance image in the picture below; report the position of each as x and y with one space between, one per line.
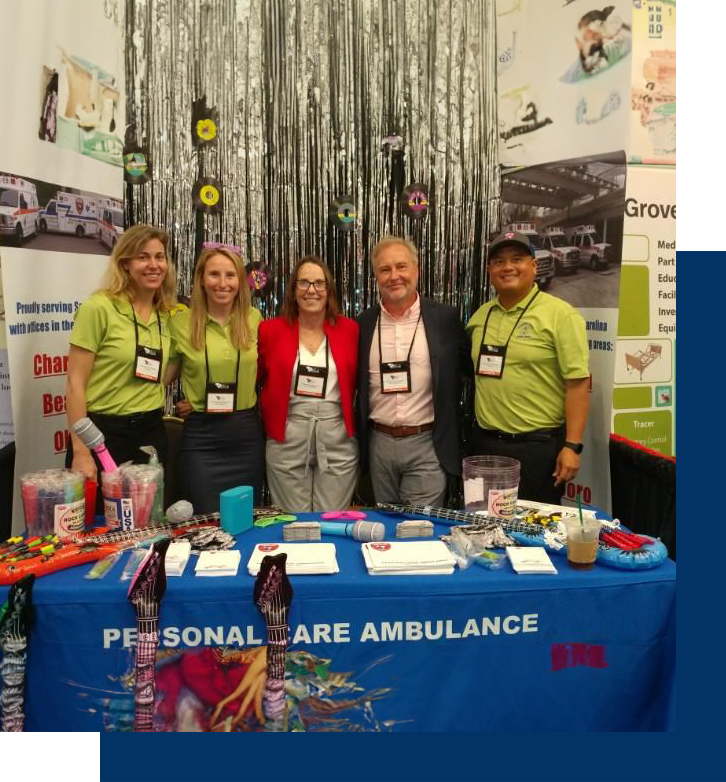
544 258
110 220
567 257
70 213
593 252
18 208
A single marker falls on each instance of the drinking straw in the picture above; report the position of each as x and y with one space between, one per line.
579 508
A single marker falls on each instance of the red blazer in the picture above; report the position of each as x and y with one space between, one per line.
277 344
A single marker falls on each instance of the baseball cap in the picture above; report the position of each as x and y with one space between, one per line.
510 237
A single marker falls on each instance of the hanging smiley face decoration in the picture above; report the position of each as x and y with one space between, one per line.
415 201
260 278
204 123
343 213
207 195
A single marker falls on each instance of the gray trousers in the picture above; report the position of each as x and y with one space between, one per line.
316 468
406 469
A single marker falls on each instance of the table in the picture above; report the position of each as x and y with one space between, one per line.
478 650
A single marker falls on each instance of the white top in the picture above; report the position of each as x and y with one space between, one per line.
317 359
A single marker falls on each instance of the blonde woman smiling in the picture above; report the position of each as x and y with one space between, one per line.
222 443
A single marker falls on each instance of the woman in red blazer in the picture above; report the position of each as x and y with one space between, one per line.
308 358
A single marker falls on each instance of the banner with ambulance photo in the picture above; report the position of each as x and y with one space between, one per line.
572 212
61 203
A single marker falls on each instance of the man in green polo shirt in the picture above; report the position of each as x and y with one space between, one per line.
532 380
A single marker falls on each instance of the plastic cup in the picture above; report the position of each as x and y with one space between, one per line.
582 541
129 494
491 484
53 502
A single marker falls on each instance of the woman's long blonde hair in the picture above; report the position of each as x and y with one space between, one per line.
240 331
117 281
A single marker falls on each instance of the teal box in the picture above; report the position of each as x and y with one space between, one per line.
235 509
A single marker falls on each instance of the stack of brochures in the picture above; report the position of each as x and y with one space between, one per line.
177 556
224 562
302 558
414 558
530 559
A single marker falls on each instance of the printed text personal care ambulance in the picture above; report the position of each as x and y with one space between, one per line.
70 213
18 208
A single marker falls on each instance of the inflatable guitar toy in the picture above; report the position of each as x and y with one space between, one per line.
273 595
15 618
145 594
641 554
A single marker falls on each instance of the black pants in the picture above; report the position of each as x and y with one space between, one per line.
125 434
537 454
220 451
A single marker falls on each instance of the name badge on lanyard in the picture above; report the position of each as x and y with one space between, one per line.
396 375
221 397
311 380
492 357
148 360
148 363
491 360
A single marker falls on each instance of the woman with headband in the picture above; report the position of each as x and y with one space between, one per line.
222 444
307 368
120 345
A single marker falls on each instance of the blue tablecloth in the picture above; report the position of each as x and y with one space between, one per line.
477 650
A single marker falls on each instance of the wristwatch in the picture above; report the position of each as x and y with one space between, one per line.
576 447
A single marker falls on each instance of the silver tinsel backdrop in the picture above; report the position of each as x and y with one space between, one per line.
317 99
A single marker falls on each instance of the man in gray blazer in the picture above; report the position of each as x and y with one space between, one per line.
412 352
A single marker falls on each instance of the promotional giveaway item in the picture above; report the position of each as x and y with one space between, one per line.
92 437
273 596
54 501
491 484
411 558
129 494
302 558
550 533
358 530
235 507
301 530
86 547
15 616
146 592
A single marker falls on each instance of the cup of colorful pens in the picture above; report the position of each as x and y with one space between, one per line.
129 493
53 502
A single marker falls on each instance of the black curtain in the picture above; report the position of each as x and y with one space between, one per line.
644 490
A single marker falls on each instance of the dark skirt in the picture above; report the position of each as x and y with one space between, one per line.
218 452
124 435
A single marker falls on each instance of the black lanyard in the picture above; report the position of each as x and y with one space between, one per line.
521 315
136 327
236 374
150 353
312 373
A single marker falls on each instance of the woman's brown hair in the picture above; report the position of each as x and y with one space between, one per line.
289 305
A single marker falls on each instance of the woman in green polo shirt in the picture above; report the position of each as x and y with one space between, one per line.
120 345
222 443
